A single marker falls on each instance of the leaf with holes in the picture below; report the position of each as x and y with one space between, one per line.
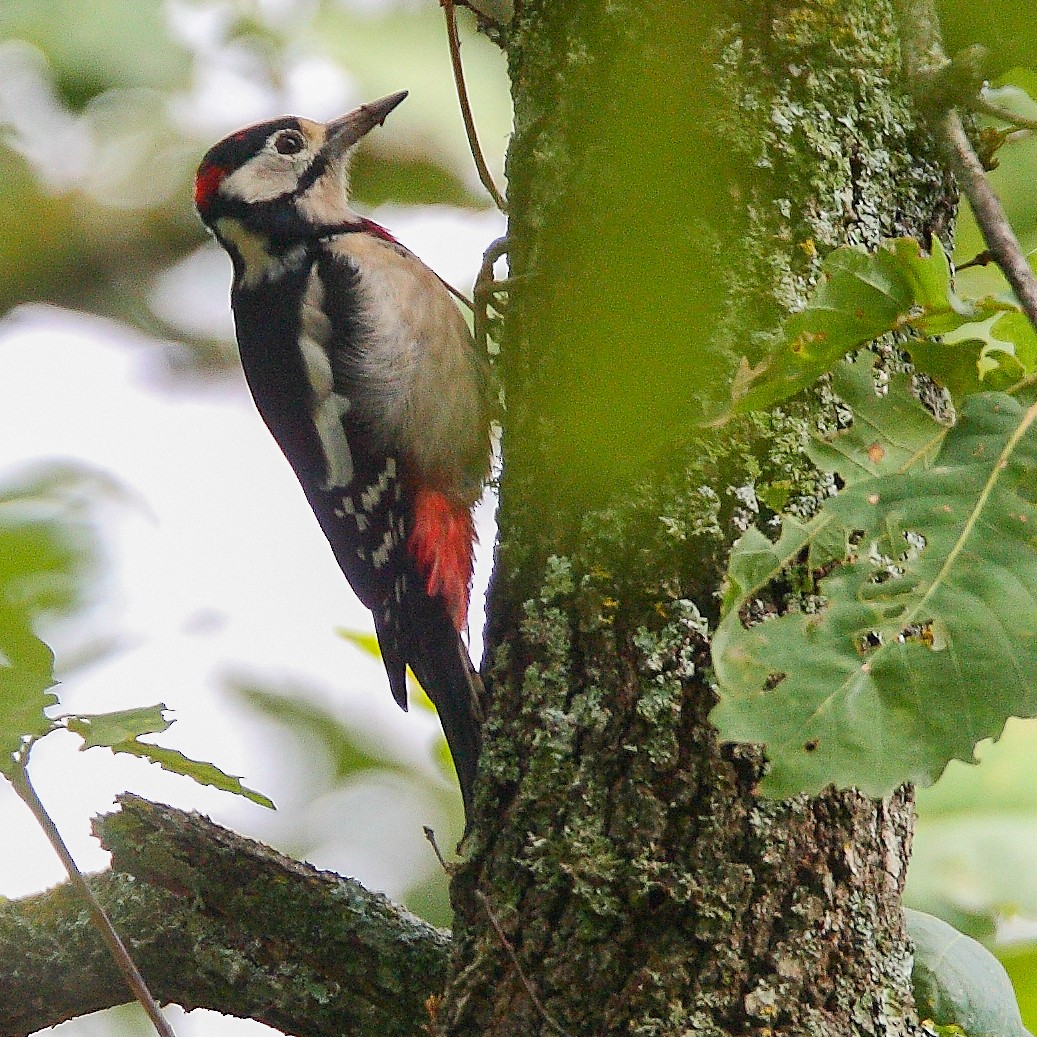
926 640
890 433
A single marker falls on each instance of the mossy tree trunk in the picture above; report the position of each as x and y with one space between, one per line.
676 173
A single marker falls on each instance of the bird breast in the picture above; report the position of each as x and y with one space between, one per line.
420 384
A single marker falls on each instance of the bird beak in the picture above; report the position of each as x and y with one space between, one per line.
342 133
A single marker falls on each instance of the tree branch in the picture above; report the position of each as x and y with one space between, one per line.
925 64
218 921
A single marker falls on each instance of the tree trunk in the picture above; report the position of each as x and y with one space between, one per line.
676 172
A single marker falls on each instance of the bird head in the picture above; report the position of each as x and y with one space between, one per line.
283 179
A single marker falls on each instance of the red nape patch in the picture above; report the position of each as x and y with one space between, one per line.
206 183
377 230
441 543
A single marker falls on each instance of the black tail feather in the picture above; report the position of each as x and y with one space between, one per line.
442 665
443 668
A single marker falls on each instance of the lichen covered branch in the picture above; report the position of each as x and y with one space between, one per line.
221 922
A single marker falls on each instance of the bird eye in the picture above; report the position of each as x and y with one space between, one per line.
289 143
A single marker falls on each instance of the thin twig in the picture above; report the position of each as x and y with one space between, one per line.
983 258
985 107
997 231
431 836
466 109
510 951
19 779
923 53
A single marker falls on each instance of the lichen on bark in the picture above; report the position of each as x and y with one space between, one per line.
675 175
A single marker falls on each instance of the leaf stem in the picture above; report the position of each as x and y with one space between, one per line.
19 778
995 111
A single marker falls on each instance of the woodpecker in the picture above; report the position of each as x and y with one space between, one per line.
364 371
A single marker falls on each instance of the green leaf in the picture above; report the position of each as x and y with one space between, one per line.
26 677
890 433
860 296
927 640
111 728
991 353
204 773
48 542
958 982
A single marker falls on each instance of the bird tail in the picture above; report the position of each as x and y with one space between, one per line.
441 663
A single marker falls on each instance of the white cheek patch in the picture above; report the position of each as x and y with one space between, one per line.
261 179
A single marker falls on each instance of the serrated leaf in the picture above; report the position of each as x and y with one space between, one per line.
204 773
111 728
26 677
923 647
958 982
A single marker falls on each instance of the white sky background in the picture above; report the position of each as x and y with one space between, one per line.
215 567
218 565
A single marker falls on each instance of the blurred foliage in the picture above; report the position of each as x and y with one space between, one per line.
1006 28
956 872
48 546
115 45
974 851
346 756
48 554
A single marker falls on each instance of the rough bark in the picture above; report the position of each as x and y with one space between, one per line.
217 921
675 175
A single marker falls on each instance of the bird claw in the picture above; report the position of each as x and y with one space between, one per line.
490 294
